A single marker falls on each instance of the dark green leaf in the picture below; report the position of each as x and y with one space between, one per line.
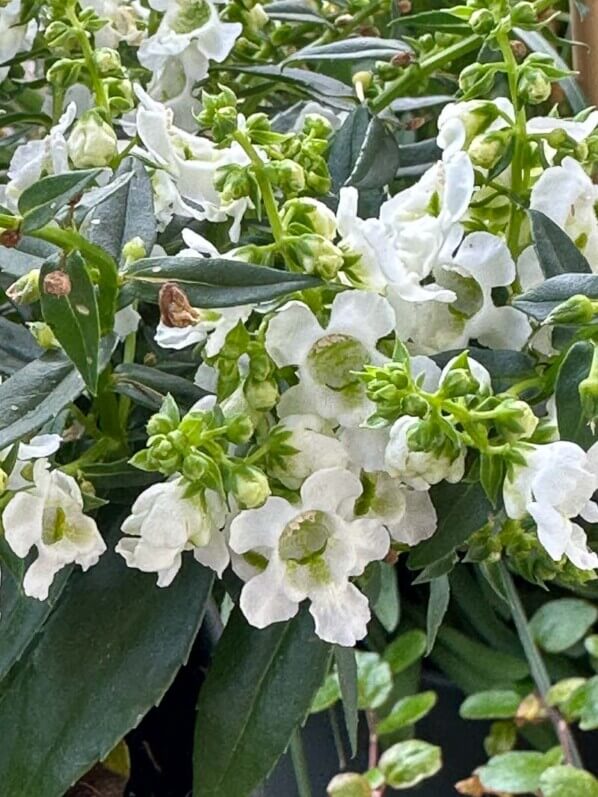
354 49
127 213
462 509
557 254
214 282
440 593
150 386
540 301
17 346
346 666
73 316
105 628
415 103
573 425
560 624
386 605
40 203
294 11
378 158
433 21
258 690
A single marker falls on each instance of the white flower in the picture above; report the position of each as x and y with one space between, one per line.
409 515
459 122
32 160
14 38
40 446
189 35
554 486
567 195
316 448
124 22
312 549
164 523
419 469
49 515
326 359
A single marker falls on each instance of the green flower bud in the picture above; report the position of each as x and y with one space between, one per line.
349 784
516 419
233 182
120 94
579 309
3 481
534 86
317 255
92 142
459 382
482 21
239 429
588 393
26 289
415 405
43 335
64 73
250 486
133 250
214 104
195 465
523 14
160 425
486 150
108 61
287 175
261 396
310 215
317 126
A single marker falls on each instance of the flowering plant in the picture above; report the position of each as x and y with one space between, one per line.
298 325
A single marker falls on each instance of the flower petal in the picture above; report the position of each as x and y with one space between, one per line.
291 334
341 614
331 490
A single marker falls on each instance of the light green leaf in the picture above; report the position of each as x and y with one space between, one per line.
374 678
560 624
73 316
517 772
258 690
494 704
440 593
407 711
40 203
406 764
405 650
567 781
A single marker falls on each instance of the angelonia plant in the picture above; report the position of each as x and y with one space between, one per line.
298 332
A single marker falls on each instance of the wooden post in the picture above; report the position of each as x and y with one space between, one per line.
585 58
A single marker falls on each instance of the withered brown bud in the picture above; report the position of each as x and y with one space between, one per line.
531 709
519 49
404 6
471 787
175 310
57 283
10 238
402 59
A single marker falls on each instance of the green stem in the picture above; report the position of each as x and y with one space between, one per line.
300 765
429 65
97 83
129 350
537 666
9 222
95 452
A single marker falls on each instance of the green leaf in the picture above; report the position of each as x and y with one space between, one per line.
127 213
557 254
462 509
17 346
495 704
492 474
214 282
407 711
73 317
353 49
294 11
572 423
566 781
116 475
105 627
583 705
517 772
378 158
374 679
406 764
386 605
149 386
506 367
433 21
405 650
258 690
440 593
560 624
327 695
540 301
40 203
346 666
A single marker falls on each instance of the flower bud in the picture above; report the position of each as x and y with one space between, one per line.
250 486
26 289
107 61
317 126
588 394
3 480
195 465
160 424
485 151
261 396
459 382
175 309
579 309
516 419
92 142
415 405
43 335
239 429
349 784
133 250
523 14
286 174
232 182
481 21
317 255
534 86
309 214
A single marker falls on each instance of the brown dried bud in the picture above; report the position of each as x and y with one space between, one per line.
392 557
404 6
57 283
471 787
519 49
10 238
531 709
175 310
402 59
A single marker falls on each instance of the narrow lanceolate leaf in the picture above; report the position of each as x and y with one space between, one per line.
17 346
150 386
572 423
346 666
36 394
40 203
127 213
242 729
70 307
294 11
540 301
355 49
556 252
434 21
440 593
214 282
378 159
64 690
